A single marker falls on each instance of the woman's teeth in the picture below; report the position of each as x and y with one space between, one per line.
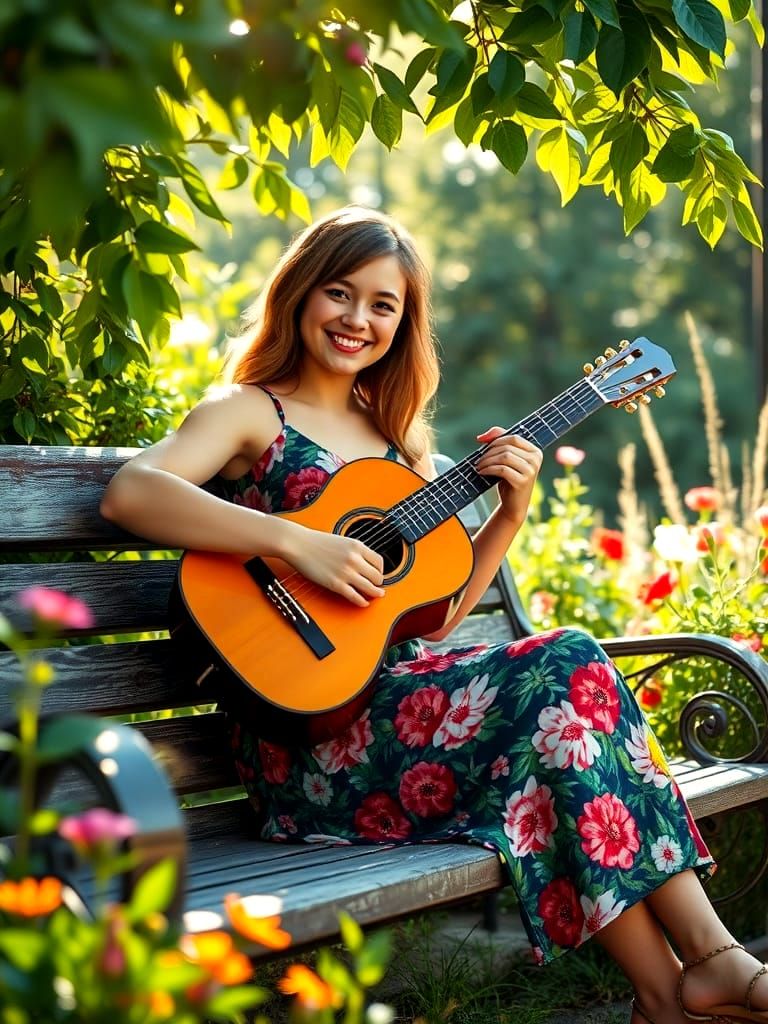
350 344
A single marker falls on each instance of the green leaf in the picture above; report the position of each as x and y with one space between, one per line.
395 90
453 73
534 103
533 25
231 1003
747 222
558 154
739 9
346 132
579 36
142 297
670 165
12 381
49 298
466 122
156 237
604 10
418 68
623 53
351 932
628 149
23 947
154 891
197 190
509 143
636 197
25 424
235 172
702 22
387 121
423 18
64 736
711 221
506 74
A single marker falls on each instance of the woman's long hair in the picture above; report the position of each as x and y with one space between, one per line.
398 388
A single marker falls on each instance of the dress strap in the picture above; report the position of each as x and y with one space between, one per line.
276 402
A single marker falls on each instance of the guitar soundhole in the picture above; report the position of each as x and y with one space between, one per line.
384 540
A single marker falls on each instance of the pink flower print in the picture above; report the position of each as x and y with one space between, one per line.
500 766
561 912
646 756
530 819
419 714
317 788
564 738
287 824
432 661
379 817
347 749
529 643
303 487
667 854
252 497
462 818
464 718
272 455
609 833
275 762
329 461
598 913
594 695
428 790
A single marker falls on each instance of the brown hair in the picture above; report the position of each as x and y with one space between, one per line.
399 387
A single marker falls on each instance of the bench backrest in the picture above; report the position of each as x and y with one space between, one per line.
125 666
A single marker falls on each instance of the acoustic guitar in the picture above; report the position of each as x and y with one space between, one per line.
299 660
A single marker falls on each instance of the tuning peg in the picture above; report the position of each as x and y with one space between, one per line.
600 360
611 352
588 368
659 391
645 399
623 344
630 407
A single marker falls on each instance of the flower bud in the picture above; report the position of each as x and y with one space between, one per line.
355 54
568 456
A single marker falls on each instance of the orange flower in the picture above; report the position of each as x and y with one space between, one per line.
161 1005
31 897
608 542
703 532
265 930
311 991
215 952
703 499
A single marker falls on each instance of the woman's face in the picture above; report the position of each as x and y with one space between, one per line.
349 323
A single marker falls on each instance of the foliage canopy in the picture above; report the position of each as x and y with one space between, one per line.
105 109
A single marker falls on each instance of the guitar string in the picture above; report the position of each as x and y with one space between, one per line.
437 488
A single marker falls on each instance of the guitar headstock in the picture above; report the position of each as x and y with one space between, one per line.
628 375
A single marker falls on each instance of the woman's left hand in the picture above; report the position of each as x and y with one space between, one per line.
516 462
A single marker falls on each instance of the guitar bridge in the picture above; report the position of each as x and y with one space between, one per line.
291 609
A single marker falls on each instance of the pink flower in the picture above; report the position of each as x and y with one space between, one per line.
708 534
304 486
609 833
56 609
594 695
561 912
252 497
564 738
751 640
609 543
500 766
432 661
379 817
428 790
761 515
287 824
275 762
568 456
97 829
703 499
272 455
530 819
527 644
347 749
464 719
355 54
419 714
598 913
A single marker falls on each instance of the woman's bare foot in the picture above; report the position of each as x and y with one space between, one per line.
723 980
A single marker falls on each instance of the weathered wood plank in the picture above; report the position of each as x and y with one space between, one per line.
710 789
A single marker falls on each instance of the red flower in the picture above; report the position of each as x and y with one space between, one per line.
428 789
275 762
752 640
529 643
659 588
419 714
379 817
609 833
348 748
594 695
761 515
302 487
651 694
609 543
433 661
530 819
703 499
708 532
561 912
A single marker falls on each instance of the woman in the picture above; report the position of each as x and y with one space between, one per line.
536 749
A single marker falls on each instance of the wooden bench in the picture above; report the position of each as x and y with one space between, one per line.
49 507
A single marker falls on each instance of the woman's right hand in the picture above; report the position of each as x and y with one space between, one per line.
341 564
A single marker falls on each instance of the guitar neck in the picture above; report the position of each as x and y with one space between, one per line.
428 507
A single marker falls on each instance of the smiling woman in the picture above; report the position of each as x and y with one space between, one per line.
536 748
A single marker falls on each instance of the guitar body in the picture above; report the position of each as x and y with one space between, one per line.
239 638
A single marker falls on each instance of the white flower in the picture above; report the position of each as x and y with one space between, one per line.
379 1013
646 756
667 854
675 544
317 788
328 461
564 738
599 912
464 718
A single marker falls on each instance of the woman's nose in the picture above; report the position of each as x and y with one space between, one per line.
355 318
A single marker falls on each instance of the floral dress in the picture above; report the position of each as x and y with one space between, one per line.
536 749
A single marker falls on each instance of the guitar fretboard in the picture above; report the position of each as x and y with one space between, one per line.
437 501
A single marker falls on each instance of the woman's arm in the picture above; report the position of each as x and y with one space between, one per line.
516 462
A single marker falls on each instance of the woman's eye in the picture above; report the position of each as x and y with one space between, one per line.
386 306
336 293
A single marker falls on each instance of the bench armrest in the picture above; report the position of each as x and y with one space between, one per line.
705 716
